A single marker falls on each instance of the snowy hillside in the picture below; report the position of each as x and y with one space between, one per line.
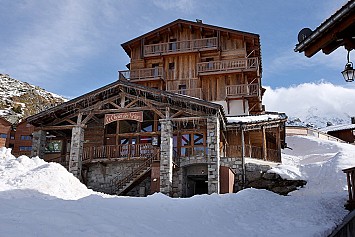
313 104
43 199
22 99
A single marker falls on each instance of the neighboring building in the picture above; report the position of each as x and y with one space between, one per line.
5 129
345 132
181 121
16 135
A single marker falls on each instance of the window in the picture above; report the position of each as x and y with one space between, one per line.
172 45
210 63
25 148
25 137
3 135
53 146
171 66
193 144
182 89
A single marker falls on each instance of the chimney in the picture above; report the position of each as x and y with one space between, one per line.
352 120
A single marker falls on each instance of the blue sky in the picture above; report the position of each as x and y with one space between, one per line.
72 47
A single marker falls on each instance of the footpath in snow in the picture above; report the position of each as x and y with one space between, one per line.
42 199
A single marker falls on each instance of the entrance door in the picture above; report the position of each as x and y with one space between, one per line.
196 184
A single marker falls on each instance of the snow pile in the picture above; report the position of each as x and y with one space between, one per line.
37 175
61 206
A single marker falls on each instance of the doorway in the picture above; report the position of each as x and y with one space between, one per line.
196 185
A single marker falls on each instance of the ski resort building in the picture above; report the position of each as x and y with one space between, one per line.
180 120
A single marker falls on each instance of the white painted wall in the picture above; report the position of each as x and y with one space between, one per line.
235 107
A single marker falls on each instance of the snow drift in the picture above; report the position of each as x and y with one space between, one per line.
42 199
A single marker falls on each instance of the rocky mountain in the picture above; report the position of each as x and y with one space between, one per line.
19 99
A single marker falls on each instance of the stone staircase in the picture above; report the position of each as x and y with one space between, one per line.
119 186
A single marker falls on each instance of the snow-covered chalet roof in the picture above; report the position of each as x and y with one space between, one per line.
256 118
338 128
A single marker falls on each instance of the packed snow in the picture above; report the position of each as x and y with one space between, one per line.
255 118
42 199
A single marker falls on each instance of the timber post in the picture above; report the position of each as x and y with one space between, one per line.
38 143
213 154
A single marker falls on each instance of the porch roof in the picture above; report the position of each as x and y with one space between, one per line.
255 121
113 89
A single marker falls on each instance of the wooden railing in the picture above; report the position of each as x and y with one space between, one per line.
142 74
180 46
350 176
252 152
227 65
197 92
126 151
242 90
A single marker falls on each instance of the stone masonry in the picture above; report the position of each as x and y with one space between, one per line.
213 154
76 150
38 143
166 157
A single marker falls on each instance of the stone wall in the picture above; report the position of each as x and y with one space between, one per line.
213 154
99 176
140 190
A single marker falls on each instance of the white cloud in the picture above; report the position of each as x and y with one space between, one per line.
320 99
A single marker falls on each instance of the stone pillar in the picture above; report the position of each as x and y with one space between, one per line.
213 154
166 156
76 151
38 143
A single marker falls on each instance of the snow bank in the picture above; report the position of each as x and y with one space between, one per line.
61 206
27 174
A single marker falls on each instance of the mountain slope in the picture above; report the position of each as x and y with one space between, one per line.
19 99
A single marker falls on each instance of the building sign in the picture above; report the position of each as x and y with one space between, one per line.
137 116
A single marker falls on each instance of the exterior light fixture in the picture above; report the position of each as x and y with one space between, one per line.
349 72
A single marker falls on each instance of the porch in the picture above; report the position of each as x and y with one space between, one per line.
180 46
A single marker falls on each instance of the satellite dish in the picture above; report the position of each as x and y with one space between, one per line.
304 33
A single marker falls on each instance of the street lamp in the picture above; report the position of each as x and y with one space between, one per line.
349 72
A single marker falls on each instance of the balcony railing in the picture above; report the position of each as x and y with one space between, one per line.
142 74
252 152
180 46
242 90
125 151
213 67
350 176
197 92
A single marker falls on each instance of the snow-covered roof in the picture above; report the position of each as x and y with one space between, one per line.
256 118
338 128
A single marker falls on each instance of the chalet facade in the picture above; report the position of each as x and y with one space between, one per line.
16 135
180 121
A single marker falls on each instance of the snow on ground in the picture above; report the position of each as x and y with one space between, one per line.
43 199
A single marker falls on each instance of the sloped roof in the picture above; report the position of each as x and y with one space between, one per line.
331 33
251 121
125 45
340 127
112 89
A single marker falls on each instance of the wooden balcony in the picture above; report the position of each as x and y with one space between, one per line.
245 90
350 176
227 66
180 46
144 74
252 152
116 152
196 92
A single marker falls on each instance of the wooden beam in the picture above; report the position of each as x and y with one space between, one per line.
131 103
122 110
114 105
63 127
180 112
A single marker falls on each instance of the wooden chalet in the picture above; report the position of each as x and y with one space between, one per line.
181 121
5 129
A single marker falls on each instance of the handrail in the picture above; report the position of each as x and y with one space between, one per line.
350 177
228 65
117 184
252 152
127 151
180 46
141 74
243 90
